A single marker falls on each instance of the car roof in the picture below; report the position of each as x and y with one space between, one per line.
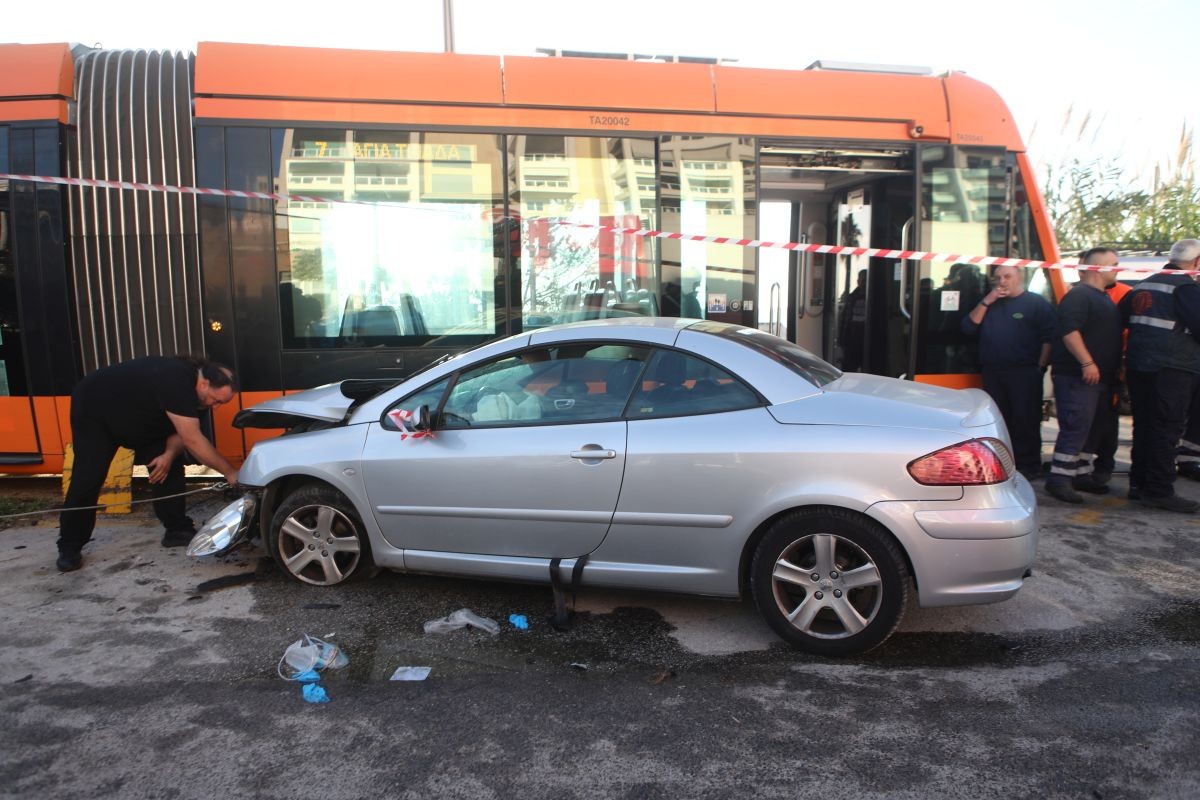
775 382
606 325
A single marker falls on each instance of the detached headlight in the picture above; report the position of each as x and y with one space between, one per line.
225 530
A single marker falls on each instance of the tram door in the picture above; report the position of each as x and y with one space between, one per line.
853 311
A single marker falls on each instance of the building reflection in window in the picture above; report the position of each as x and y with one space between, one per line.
407 252
557 183
708 189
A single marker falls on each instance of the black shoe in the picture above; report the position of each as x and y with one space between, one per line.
1089 484
1171 502
1032 475
1135 493
1064 492
69 562
177 538
1101 477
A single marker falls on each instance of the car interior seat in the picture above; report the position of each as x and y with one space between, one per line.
412 317
619 381
670 371
376 321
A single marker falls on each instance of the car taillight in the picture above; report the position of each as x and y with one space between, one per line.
974 463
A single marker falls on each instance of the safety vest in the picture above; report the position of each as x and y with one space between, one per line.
1158 339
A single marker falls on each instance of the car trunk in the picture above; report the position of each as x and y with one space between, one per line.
859 399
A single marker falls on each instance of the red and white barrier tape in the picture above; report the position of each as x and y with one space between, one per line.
405 418
872 252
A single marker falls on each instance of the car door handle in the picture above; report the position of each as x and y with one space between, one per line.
597 453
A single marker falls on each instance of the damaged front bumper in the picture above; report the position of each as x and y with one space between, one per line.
228 528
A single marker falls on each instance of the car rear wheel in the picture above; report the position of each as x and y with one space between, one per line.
317 537
829 582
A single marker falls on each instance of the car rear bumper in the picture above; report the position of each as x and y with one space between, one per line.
978 549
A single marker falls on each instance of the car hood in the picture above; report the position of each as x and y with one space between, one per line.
324 403
856 399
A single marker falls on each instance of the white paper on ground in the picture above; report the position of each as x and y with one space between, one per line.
410 673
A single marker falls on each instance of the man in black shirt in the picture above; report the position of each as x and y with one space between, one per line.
151 405
1085 358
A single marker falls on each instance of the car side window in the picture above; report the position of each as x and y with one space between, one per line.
429 396
676 384
572 382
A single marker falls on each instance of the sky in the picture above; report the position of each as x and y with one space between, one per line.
1130 69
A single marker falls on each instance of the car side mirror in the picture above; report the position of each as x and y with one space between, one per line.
421 420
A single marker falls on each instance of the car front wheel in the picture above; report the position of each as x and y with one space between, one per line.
829 582
317 537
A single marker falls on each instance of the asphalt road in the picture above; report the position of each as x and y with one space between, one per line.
133 678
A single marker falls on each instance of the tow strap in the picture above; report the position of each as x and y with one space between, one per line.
561 621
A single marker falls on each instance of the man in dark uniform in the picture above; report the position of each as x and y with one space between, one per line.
1085 358
151 405
1015 328
853 334
1162 313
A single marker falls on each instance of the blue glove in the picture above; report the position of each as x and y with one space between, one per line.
314 693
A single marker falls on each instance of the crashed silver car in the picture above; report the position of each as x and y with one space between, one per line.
663 454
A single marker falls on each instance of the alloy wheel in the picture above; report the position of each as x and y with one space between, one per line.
826 586
319 545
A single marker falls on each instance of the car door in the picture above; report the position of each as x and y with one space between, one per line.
693 473
526 460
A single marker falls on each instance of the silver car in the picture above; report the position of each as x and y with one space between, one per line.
664 454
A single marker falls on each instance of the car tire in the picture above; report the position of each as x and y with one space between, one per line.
317 537
860 588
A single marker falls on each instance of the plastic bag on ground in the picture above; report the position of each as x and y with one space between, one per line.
310 654
461 618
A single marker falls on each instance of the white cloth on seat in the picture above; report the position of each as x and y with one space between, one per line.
500 407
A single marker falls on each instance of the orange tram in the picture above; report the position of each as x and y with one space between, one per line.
436 187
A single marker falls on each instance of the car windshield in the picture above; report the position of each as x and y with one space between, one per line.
793 356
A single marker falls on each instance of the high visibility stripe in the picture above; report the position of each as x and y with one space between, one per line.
1155 286
1153 322
1064 464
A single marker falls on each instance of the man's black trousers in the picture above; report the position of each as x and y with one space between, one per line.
94 449
1018 392
1161 401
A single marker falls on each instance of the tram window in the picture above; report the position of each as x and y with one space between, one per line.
965 200
708 187
410 257
570 273
1023 240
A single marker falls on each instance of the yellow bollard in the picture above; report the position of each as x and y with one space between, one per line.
117 489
